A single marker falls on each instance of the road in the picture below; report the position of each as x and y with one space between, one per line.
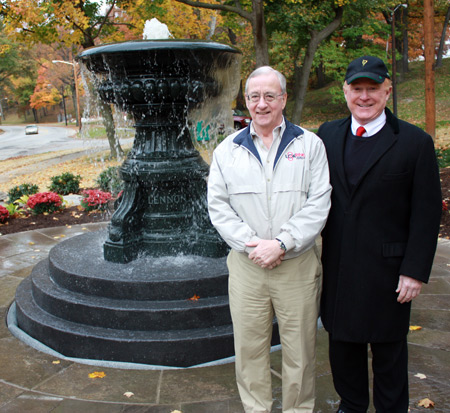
14 142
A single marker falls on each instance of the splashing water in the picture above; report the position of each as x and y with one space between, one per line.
154 29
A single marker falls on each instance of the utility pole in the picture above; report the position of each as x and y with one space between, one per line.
77 93
430 103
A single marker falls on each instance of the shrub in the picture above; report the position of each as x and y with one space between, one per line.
14 210
65 184
94 199
4 214
443 157
45 202
19 191
109 180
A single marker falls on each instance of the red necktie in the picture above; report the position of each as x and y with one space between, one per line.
360 131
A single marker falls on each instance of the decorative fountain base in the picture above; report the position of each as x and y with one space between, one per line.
170 311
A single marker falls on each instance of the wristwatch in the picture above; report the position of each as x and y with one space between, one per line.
282 246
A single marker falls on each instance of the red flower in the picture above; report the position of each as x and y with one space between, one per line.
95 199
444 205
4 214
44 202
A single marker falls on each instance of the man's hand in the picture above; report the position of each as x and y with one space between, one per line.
408 288
267 253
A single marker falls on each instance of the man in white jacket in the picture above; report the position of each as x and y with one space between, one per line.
268 197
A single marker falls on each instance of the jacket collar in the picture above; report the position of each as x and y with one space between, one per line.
244 138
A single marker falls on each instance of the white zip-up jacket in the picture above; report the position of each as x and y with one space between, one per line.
295 211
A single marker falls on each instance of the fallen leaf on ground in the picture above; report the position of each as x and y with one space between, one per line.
195 297
97 375
415 328
128 394
427 403
56 362
420 376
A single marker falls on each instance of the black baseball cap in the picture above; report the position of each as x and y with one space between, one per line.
367 66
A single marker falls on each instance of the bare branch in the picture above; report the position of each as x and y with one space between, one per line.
105 18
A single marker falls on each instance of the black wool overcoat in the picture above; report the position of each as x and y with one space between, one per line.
386 227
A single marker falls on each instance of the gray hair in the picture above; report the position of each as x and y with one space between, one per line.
263 70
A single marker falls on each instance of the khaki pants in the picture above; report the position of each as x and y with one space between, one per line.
291 291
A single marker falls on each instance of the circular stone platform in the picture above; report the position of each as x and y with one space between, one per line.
169 311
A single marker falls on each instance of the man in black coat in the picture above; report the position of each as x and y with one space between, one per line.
379 240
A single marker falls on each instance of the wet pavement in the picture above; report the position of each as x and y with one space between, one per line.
35 381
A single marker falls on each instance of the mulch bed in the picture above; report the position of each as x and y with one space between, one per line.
74 216
68 216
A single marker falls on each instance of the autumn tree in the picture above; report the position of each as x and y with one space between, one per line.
45 94
305 25
54 81
77 24
17 72
251 11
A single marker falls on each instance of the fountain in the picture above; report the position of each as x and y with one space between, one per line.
158 292
163 209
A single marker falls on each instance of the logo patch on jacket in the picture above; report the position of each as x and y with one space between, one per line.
291 156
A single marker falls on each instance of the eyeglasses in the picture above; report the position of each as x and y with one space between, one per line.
268 97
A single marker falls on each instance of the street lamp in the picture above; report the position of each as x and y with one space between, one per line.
73 64
394 63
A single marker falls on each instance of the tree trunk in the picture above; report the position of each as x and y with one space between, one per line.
212 27
116 151
259 34
442 42
301 76
301 73
320 75
404 65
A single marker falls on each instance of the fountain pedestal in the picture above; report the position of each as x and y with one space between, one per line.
163 209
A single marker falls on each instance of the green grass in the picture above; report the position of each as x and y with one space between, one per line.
93 132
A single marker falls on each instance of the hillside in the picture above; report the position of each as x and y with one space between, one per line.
410 101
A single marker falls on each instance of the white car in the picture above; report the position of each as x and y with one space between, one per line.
31 130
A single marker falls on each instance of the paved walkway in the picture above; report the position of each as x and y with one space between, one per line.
38 382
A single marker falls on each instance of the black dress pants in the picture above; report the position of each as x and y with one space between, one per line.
349 366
